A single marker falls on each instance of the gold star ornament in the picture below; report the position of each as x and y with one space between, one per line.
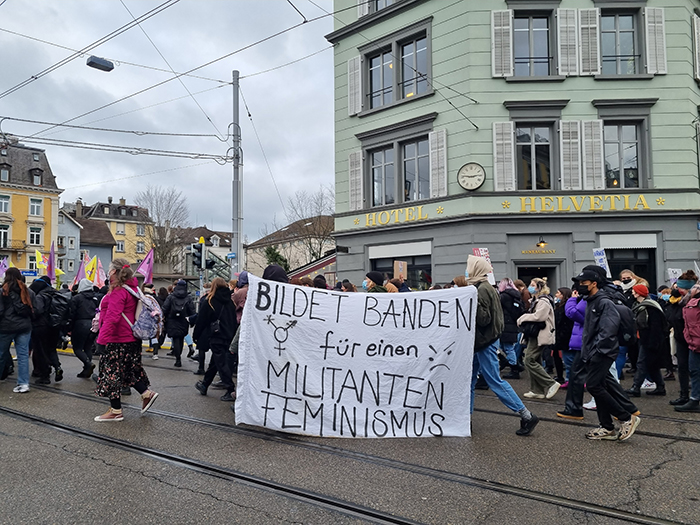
440 210
660 201
506 205
356 221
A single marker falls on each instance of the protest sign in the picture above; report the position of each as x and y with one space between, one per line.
673 274
484 252
602 260
400 268
331 364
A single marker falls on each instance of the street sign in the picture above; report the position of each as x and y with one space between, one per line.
231 255
30 273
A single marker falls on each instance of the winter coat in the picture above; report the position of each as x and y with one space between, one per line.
650 322
15 316
82 306
512 306
674 316
404 288
239 298
113 327
43 293
575 310
563 328
541 311
600 328
691 317
177 308
489 316
223 309
377 289
201 338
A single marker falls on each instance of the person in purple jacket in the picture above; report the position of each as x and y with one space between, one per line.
575 309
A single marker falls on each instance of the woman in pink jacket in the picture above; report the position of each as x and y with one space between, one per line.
120 365
691 332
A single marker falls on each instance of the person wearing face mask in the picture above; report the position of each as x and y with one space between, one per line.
373 283
651 325
663 296
674 315
541 311
599 348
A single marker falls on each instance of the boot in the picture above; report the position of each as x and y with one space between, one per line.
680 400
657 392
693 405
514 373
633 392
502 362
178 362
481 384
191 352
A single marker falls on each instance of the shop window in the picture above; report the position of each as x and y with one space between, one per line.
419 270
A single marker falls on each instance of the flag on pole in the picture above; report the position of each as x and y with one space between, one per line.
91 269
146 267
3 267
101 277
51 264
41 260
80 274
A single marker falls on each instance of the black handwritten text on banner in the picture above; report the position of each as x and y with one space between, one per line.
325 363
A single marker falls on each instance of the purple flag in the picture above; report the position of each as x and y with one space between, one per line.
4 265
51 266
146 268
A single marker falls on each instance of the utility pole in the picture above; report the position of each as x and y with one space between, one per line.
236 244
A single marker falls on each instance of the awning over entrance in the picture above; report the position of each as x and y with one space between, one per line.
400 250
628 240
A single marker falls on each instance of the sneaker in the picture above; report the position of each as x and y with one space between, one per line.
228 396
154 357
590 405
21 389
148 401
627 428
43 381
201 388
532 395
602 433
552 390
111 415
648 385
657 392
527 426
59 375
566 414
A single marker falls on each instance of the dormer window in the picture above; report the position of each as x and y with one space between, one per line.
122 211
36 157
134 212
4 174
105 210
36 178
215 241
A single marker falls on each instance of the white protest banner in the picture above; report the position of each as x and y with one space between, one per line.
602 260
484 253
673 274
331 364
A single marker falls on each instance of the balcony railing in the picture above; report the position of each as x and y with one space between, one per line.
12 245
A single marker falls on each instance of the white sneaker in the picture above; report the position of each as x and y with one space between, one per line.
590 405
648 385
21 389
552 390
532 395
155 358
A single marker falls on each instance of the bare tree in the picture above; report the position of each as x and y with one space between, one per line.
167 210
316 210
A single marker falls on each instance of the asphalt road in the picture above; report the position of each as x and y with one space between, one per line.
186 462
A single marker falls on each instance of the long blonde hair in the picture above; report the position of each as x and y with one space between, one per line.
542 288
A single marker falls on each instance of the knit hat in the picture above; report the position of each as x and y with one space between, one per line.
376 277
640 289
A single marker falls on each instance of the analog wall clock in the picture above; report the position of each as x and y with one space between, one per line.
471 176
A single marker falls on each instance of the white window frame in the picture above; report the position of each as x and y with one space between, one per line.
119 248
140 247
120 228
5 201
140 230
71 265
71 243
31 262
4 235
105 210
35 236
61 241
4 175
34 205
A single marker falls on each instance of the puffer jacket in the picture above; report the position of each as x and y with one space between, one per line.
113 327
177 309
541 311
691 316
223 309
512 306
575 309
15 316
600 328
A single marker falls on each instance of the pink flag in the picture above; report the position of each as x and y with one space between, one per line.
51 265
101 277
4 265
146 268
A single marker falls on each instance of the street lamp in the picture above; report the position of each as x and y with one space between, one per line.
542 243
100 63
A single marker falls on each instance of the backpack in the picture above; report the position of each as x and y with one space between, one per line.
149 316
95 326
626 333
59 309
178 307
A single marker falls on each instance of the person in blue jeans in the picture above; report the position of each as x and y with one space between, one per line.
489 326
17 303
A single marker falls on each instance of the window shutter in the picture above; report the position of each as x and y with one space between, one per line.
593 172
438 163
589 40
362 8
570 137
355 180
567 38
696 43
503 156
655 40
502 43
354 86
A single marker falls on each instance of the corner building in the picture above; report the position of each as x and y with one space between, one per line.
539 130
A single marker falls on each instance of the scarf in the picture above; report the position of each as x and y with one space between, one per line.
629 285
477 268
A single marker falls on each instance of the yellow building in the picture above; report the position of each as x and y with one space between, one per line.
28 203
129 224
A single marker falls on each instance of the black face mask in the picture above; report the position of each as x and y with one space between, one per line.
582 290
626 281
675 293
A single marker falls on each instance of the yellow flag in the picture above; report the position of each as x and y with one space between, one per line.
91 269
40 259
12 265
60 272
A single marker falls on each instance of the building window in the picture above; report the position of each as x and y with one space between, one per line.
140 230
533 157
531 46
84 255
416 170
618 42
122 211
71 243
32 262
215 241
60 219
105 210
4 175
120 228
36 178
4 236
4 204
35 156
409 175
71 265
120 246
35 207
140 247
382 168
35 236
414 67
134 212
61 241
381 80
61 263
621 155
381 4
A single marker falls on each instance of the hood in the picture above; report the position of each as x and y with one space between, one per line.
515 294
39 284
614 292
648 303
180 289
222 295
275 273
243 279
84 285
477 267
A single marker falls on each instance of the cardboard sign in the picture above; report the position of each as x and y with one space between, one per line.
400 268
484 252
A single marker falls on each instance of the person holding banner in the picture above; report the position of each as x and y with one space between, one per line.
374 283
489 327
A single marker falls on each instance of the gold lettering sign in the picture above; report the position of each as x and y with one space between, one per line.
382 218
583 203
539 252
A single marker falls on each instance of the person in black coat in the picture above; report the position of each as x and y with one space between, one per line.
82 309
563 329
44 336
512 306
177 309
216 323
17 304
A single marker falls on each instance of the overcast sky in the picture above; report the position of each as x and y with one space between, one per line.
291 107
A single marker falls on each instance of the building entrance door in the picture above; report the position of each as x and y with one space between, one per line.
526 273
641 261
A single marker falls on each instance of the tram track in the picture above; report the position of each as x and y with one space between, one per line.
433 473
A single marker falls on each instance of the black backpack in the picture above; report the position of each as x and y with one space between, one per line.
58 308
626 333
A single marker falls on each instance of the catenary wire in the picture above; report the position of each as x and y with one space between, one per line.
287 64
269 168
110 36
179 79
430 81
139 175
115 60
297 10
244 48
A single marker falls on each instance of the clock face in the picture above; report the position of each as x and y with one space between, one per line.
471 176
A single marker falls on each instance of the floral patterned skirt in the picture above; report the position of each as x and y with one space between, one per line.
120 366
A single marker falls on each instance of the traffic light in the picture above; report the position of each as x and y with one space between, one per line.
210 264
197 255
